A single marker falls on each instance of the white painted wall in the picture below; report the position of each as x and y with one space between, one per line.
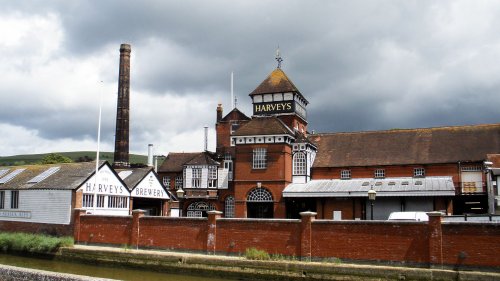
39 206
150 187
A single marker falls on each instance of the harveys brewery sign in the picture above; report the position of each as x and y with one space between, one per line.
273 107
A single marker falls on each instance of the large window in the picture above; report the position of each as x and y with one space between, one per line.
379 173
259 158
299 164
229 207
196 180
117 202
2 199
14 199
345 174
178 182
212 176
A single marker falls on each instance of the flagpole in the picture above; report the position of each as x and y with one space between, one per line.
94 203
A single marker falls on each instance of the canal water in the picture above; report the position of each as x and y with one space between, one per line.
97 271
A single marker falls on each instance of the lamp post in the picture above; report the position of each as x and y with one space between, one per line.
489 188
180 197
371 196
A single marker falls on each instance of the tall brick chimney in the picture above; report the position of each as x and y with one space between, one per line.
121 158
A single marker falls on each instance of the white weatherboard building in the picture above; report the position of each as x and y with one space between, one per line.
46 195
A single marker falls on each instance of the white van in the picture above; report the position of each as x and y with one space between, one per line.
408 216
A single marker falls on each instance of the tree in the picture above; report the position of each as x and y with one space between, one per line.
55 158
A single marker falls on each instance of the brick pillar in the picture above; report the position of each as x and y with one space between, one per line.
212 230
134 234
76 223
306 234
435 239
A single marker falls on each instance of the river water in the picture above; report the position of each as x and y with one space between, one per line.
97 271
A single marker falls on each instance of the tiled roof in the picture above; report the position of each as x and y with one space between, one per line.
204 158
267 125
70 176
412 146
174 162
235 115
276 82
137 174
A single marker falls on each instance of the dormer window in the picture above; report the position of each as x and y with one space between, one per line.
234 127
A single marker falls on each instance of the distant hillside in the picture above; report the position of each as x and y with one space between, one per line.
77 156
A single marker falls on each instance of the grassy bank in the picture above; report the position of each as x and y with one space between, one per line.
32 243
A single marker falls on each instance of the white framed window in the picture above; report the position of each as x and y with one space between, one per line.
178 181
196 178
14 199
299 164
345 174
476 168
212 176
166 182
2 199
117 202
379 173
259 158
234 127
419 172
88 200
229 207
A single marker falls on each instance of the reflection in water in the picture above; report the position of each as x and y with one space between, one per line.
97 271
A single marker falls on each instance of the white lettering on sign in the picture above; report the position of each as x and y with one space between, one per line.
16 214
150 187
104 188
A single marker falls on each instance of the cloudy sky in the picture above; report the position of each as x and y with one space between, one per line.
363 65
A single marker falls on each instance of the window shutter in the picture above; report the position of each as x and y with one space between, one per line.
189 177
222 179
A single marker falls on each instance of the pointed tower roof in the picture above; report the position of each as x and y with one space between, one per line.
276 82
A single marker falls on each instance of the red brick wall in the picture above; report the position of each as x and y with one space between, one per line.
390 171
105 229
40 228
173 233
402 242
449 244
471 244
274 236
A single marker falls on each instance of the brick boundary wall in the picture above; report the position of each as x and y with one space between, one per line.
434 244
39 228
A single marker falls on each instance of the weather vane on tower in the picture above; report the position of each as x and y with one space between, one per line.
278 57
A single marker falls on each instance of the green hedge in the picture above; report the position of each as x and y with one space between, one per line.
32 243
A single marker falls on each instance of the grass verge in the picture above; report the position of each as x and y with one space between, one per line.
32 243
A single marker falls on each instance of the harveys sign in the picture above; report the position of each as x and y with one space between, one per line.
273 107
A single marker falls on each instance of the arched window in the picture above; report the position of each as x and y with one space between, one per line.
299 163
199 209
229 207
260 195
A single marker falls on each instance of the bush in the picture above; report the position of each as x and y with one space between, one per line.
32 243
256 254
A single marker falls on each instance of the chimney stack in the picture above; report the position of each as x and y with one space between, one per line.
219 112
121 157
150 155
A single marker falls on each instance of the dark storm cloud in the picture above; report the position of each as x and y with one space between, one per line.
362 65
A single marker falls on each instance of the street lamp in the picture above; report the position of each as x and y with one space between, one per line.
371 196
180 197
489 189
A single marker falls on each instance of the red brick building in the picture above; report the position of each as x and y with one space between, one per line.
270 166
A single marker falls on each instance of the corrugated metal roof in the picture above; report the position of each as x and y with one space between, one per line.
428 186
